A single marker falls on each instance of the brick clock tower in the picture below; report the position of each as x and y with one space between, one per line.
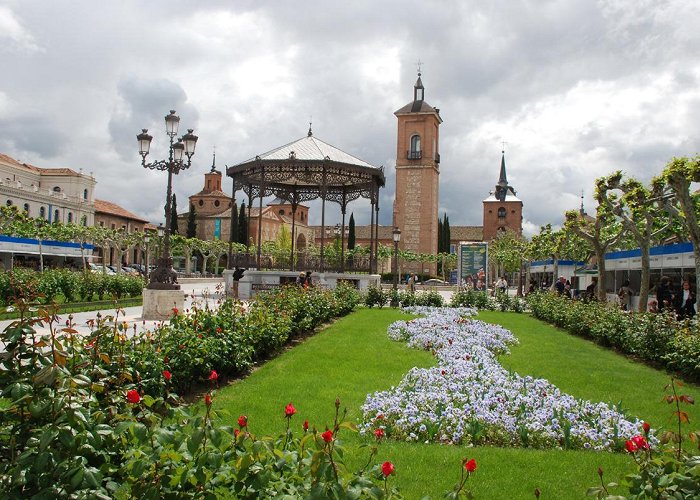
502 209
417 178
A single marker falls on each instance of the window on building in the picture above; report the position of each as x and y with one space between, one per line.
217 203
209 184
9 203
56 215
102 223
114 226
501 212
83 220
70 217
26 208
85 194
201 203
42 212
302 216
56 189
281 211
415 151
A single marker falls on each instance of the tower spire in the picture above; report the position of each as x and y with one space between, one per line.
502 178
213 161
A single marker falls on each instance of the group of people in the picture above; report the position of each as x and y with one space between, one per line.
477 281
304 279
669 299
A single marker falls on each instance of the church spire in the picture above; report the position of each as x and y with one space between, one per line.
213 161
502 179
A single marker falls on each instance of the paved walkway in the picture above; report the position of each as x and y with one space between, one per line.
203 292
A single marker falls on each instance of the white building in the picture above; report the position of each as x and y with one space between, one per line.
50 193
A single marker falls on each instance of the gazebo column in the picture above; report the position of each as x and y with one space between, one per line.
342 234
371 235
323 216
262 195
295 204
376 234
229 263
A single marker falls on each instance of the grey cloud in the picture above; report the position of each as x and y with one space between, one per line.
145 104
32 134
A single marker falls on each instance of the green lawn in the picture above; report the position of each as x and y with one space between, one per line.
354 357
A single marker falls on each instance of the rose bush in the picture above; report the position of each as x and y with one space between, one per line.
657 338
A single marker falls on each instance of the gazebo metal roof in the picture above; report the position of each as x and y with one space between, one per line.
307 169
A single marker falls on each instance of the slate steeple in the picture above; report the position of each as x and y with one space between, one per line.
502 188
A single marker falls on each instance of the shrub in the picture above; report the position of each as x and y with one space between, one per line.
431 298
376 296
655 337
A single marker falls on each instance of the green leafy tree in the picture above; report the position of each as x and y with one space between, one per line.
642 214
191 222
681 203
185 247
602 233
557 245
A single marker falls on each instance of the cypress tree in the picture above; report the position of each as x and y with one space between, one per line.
440 240
446 234
351 232
234 223
173 215
242 225
192 222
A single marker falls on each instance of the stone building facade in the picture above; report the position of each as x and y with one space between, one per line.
113 216
50 193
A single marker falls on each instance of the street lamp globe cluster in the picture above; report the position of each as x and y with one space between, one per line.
164 277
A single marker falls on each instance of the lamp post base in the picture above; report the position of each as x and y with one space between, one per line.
160 305
163 276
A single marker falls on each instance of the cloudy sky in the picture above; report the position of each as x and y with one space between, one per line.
576 89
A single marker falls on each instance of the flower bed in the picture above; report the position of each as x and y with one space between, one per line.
657 338
469 398
99 417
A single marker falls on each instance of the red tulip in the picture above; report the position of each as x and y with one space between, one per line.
213 376
630 446
289 410
470 465
388 469
646 427
236 432
379 434
167 375
327 436
207 399
242 421
306 425
133 396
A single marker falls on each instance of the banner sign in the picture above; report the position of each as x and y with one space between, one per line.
217 229
473 262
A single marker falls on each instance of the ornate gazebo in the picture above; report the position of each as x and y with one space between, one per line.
305 170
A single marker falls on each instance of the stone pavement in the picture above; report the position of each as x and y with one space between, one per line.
201 291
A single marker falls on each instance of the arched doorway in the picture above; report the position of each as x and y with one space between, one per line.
301 242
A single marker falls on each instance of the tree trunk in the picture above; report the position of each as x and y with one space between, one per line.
41 257
644 286
555 272
600 256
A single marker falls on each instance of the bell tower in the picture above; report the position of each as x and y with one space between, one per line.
502 209
417 178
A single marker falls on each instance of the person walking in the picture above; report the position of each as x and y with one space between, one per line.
625 294
664 295
685 303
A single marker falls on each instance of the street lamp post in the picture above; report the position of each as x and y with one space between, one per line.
396 234
164 277
146 241
336 232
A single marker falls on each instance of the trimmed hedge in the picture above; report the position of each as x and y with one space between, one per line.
72 285
655 337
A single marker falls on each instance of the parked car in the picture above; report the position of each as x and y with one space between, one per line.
97 268
435 282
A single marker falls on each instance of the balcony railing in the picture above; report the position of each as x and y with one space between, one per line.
414 155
